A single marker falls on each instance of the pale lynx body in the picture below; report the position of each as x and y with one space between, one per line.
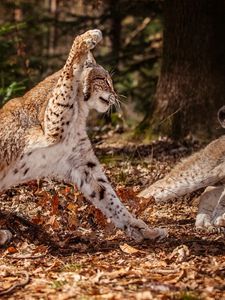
43 134
205 168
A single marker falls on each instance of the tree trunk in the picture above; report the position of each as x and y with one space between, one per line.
191 87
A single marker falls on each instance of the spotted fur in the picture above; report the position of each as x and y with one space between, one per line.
203 169
43 134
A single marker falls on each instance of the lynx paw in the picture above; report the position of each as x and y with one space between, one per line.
139 231
92 38
203 221
219 220
157 192
5 237
215 229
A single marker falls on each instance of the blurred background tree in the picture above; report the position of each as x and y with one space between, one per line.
191 87
35 38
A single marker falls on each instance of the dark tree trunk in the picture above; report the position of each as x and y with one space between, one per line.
191 87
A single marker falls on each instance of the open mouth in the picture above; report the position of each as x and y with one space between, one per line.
104 100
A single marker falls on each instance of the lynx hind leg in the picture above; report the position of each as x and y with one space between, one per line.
5 237
94 185
208 201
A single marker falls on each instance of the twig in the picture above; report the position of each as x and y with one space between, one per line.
140 28
16 285
27 256
33 231
171 115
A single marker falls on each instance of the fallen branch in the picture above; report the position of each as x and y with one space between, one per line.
13 287
27 256
35 232
139 29
32 231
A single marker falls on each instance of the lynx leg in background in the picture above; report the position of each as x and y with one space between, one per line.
218 217
5 237
208 201
202 169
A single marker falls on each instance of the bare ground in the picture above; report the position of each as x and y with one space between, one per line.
63 248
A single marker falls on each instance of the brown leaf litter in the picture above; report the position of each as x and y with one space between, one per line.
64 248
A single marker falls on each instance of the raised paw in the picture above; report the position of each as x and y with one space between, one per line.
139 231
5 237
92 38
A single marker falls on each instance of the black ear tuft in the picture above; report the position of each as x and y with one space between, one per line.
221 116
87 95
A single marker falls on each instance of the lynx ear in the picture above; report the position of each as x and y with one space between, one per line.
89 64
90 61
86 82
221 116
87 93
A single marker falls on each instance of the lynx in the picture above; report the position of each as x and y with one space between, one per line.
205 168
43 134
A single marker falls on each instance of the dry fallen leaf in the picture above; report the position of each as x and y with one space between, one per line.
146 295
129 249
72 207
55 204
12 249
92 265
181 253
53 222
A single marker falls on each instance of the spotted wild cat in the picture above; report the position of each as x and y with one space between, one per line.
43 134
205 168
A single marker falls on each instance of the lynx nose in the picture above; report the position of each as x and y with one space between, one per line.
221 116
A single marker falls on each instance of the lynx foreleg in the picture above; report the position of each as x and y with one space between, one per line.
60 107
178 182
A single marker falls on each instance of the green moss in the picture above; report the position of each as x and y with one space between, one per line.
71 267
188 296
58 284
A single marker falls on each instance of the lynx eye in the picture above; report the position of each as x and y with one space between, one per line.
99 78
104 100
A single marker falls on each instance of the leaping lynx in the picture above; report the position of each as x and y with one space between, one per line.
43 134
203 169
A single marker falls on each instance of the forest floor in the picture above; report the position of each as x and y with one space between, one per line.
63 248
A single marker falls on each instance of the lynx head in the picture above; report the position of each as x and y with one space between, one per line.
98 88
